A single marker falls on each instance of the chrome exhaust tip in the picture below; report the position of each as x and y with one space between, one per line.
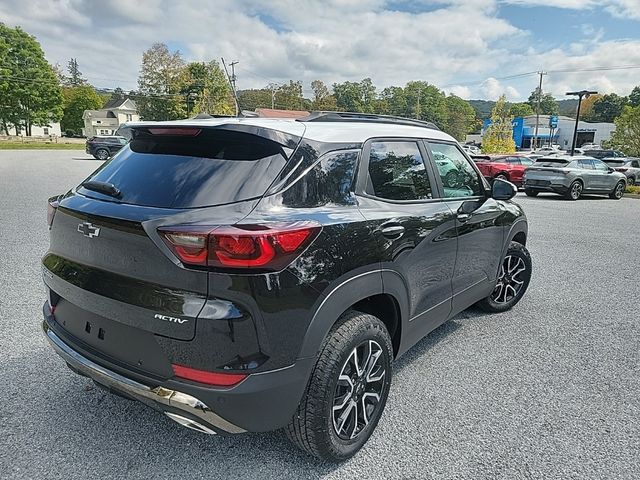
187 422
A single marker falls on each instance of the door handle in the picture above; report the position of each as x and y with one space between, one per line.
393 231
463 217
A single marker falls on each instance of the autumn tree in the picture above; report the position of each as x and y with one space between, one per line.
29 89
627 134
160 83
499 135
289 96
76 101
586 107
322 97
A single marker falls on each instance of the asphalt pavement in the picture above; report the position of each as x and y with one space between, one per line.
549 390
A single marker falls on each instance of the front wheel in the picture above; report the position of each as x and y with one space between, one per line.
102 154
347 391
513 279
618 191
530 193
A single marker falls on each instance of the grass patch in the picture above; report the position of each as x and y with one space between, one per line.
40 146
633 189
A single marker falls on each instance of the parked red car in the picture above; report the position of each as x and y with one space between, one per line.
507 167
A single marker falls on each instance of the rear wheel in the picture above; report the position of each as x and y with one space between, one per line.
502 176
102 154
347 391
530 193
618 191
575 190
631 181
513 279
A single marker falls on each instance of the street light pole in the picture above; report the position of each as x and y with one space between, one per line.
581 94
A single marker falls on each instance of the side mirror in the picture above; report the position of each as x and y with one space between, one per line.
611 170
503 190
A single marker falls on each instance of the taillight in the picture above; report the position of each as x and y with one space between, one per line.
210 378
52 206
269 246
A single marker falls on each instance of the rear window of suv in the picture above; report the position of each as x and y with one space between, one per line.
187 171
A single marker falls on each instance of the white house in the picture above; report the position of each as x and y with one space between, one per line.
53 129
107 120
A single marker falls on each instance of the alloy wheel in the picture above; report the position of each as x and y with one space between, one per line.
509 281
359 390
102 154
619 191
576 190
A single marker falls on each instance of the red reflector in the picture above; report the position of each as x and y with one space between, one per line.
177 132
210 378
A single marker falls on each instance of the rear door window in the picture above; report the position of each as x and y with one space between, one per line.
212 167
397 171
585 164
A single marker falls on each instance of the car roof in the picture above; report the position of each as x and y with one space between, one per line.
323 131
567 157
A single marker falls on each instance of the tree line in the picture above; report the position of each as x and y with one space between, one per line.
33 92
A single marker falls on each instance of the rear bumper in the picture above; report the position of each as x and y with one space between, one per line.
554 188
262 402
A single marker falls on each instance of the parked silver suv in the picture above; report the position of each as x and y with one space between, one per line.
572 176
629 166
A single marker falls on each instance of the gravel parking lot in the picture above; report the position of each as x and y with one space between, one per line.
548 390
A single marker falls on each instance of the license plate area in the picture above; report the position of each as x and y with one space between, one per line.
115 340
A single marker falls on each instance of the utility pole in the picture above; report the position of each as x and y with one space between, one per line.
233 73
538 98
274 88
233 87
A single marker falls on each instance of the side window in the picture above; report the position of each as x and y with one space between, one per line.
397 172
526 161
585 164
600 166
513 160
459 178
635 164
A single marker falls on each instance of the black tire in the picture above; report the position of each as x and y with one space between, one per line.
631 181
618 191
530 193
499 301
575 190
313 427
502 176
102 154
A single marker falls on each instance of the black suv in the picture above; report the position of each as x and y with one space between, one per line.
104 147
253 274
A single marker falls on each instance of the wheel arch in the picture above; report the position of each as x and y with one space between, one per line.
371 298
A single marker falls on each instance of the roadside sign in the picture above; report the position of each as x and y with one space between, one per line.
553 121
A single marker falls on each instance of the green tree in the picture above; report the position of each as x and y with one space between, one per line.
393 101
499 135
426 102
522 109
461 118
607 108
29 90
548 104
356 96
627 134
322 98
289 96
76 101
254 98
634 97
160 83
206 89
75 75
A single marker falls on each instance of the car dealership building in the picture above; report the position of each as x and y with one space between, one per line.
556 130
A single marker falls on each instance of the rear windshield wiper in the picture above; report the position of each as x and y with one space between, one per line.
102 187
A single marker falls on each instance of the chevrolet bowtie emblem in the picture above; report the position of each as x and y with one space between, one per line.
88 229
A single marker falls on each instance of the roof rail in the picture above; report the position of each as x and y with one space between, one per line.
322 116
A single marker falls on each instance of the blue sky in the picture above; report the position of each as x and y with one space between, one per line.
463 46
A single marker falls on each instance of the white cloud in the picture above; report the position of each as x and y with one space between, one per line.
492 89
451 43
617 8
